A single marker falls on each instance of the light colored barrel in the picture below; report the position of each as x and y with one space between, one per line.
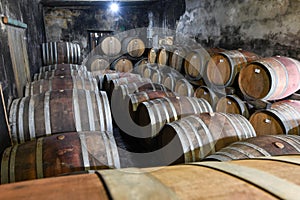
184 88
282 118
152 55
110 46
97 63
178 56
60 154
241 179
164 53
156 113
260 146
134 46
270 78
223 67
60 83
232 104
122 64
55 112
203 134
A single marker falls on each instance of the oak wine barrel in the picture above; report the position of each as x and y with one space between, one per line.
62 72
134 46
178 56
110 46
207 94
232 104
223 67
152 55
60 111
60 83
112 76
270 78
184 88
60 52
156 113
60 154
163 55
62 67
200 135
282 118
122 64
260 146
240 179
97 63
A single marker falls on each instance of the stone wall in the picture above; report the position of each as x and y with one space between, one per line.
71 23
268 27
29 12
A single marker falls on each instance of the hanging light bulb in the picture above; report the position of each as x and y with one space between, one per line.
114 7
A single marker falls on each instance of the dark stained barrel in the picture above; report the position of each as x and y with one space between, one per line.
158 112
60 154
55 112
242 179
62 72
203 134
207 94
260 146
282 118
223 67
232 104
270 78
60 52
61 83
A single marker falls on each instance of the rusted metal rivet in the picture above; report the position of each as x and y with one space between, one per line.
279 145
60 137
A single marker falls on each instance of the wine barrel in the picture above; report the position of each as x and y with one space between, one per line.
122 64
270 78
203 134
62 67
196 61
58 155
178 56
59 111
97 63
169 81
112 76
164 54
207 94
60 83
62 72
269 178
110 46
232 104
155 113
136 87
134 46
60 52
116 83
99 76
184 88
138 97
152 55
223 67
282 118
141 62
260 146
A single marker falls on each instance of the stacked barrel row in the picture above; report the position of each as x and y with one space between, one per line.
241 82
61 52
62 125
116 53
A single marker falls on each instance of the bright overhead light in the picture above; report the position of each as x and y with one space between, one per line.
114 7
